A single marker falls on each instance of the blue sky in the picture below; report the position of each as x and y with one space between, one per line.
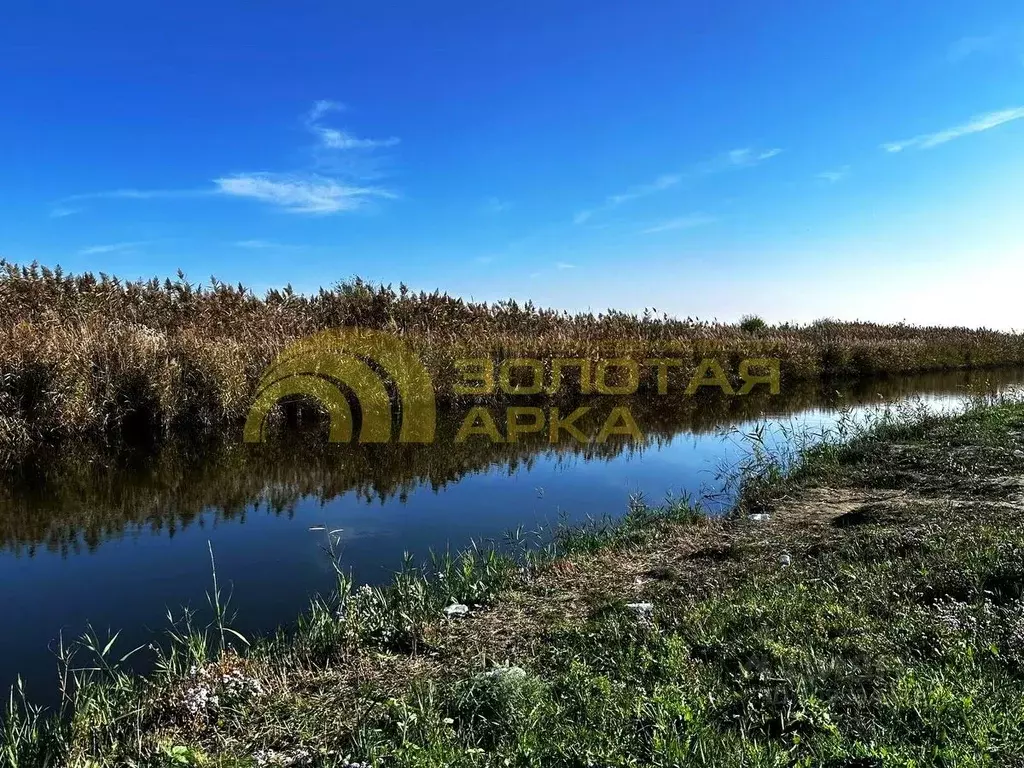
797 159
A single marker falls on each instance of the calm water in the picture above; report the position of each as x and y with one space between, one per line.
117 544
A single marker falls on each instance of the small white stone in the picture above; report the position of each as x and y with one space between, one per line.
504 673
641 609
456 609
785 560
760 517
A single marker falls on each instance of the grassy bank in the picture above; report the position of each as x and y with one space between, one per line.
96 357
862 606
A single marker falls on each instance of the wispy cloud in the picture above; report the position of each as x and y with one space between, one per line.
564 265
295 193
262 245
971 45
835 176
61 211
496 205
334 138
745 157
977 124
94 250
136 194
681 222
71 205
306 191
302 191
299 194
663 182
322 107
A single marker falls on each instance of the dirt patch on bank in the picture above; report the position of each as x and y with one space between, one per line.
689 559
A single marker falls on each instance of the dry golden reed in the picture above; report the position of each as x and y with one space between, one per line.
95 356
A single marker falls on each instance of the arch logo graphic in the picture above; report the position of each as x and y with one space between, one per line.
362 362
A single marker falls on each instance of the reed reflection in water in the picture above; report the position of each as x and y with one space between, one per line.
115 541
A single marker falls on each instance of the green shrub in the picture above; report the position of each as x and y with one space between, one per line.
753 324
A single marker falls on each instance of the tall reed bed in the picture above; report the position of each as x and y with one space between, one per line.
86 355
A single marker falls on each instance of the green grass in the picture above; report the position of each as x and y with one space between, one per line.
116 717
877 619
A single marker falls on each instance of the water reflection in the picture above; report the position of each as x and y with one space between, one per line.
115 541
74 502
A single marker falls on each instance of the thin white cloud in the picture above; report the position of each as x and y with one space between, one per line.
496 205
61 211
745 157
681 222
257 245
976 124
61 208
322 107
94 250
137 194
969 46
299 194
267 245
295 193
663 182
836 175
334 138
738 156
564 265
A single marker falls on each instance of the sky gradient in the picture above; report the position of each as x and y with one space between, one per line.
794 159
